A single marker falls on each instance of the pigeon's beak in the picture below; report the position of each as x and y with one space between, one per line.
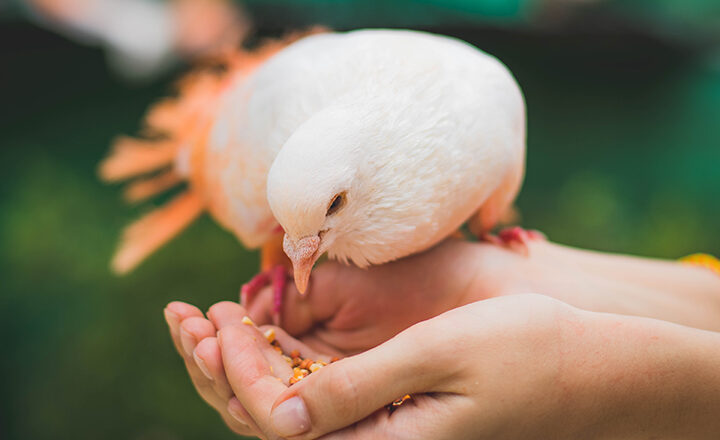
303 253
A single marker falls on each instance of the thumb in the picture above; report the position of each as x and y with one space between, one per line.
351 389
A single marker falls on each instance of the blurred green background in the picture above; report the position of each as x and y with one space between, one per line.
623 155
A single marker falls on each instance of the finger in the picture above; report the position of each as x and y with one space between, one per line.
208 358
193 330
205 386
290 344
249 373
226 313
279 367
206 389
220 404
237 426
175 313
351 389
187 325
240 414
229 314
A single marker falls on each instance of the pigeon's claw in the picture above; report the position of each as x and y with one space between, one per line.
276 277
515 238
280 276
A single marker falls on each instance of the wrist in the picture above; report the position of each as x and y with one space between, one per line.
637 377
600 282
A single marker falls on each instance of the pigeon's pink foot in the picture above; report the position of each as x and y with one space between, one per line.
514 237
277 277
490 238
518 234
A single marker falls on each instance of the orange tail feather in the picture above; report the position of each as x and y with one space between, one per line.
143 189
132 157
179 123
146 235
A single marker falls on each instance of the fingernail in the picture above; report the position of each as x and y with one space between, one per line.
234 412
171 318
290 417
188 341
201 365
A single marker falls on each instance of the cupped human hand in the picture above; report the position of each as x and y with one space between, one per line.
232 365
513 367
472 372
358 387
351 310
348 310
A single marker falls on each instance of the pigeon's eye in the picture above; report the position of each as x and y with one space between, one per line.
337 202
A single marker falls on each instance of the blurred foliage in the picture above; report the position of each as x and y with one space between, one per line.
623 156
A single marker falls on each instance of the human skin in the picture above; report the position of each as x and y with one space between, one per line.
350 311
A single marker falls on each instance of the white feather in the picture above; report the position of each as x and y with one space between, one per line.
419 129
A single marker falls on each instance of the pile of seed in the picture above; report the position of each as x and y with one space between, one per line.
301 367
304 367
391 407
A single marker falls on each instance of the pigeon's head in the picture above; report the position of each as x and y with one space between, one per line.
320 189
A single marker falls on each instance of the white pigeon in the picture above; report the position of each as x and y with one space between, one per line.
369 146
